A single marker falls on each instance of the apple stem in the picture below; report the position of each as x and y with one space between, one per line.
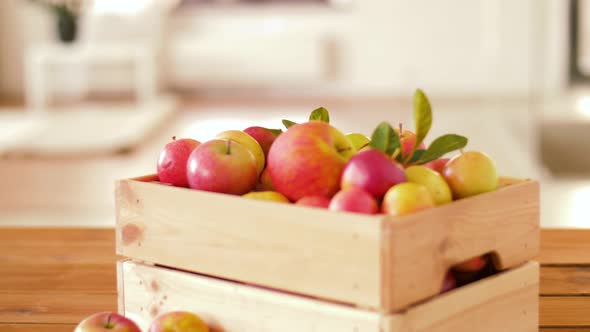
401 127
174 138
228 146
461 151
109 321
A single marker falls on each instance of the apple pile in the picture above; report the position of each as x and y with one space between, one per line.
313 164
177 321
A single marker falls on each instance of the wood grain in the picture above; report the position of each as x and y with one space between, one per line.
370 261
264 243
37 327
565 311
420 248
565 246
509 299
565 280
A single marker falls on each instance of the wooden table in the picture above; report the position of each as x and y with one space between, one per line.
52 278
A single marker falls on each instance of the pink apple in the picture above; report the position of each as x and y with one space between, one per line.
472 265
354 200
178 321
372 171
263 136
437 165
172 161
223 166
449 283
407 140
308 159
314 201
107 322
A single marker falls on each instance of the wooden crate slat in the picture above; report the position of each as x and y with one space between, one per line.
506 302
565 280
229 306
510 298
335 255
423 246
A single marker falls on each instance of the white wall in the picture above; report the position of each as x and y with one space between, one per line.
381 47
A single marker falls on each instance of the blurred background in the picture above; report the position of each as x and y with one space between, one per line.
90 91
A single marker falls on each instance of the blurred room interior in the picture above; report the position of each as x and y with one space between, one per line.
91 90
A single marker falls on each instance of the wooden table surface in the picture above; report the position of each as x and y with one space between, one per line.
52 278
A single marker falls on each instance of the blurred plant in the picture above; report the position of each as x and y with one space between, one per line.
67 13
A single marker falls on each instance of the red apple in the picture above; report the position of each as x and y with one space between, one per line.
437 165
172 161
178 321
473 265
263 136
372 171
308 159
314 201
222 166
107 322
354 200
449 283
407 140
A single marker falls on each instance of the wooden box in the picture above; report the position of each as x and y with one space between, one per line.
380 263
505 302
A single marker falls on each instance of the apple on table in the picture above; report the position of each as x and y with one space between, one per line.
107 322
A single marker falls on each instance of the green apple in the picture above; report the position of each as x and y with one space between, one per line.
250 143
178 321
433 181
406 198
357 140
471 173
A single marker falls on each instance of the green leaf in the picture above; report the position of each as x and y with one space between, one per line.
320 114
422 116
288 123
443 145
275 132
417 155
385 139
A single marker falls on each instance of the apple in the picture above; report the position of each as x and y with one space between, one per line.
407 140
107 321
471 173
263 136
308 159
314 201
437 165
474 264
267 196
264 182
354 200
172 162
222 166
449 283
178 321
250 143
433 181
372 171
357 140
406 198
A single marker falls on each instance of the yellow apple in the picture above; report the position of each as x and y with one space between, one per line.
250 143
357 140
267 196
433 181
